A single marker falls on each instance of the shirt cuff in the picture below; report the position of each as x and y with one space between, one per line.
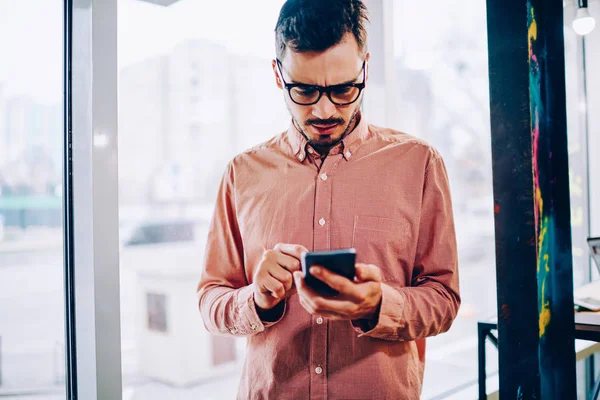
250 322
390 320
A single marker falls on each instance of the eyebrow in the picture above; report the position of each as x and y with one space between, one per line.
349 82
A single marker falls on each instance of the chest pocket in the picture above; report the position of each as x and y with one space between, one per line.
386 243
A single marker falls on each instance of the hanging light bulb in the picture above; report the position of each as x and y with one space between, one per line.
583 23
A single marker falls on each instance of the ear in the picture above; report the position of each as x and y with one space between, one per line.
278 81
367 58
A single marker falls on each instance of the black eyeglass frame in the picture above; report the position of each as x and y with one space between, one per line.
323 89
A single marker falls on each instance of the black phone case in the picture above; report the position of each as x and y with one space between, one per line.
340 262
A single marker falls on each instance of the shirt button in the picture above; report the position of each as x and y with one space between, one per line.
319 320
233 331
322 221
301 157
348 154
253 326
319 370
324 177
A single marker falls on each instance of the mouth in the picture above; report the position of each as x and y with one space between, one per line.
325 129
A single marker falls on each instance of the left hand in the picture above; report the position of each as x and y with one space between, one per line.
358 299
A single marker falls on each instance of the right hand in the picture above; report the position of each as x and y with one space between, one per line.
273 279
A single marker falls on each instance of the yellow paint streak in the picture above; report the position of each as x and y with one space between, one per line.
544 317
545 314
532 31
540 201
540 244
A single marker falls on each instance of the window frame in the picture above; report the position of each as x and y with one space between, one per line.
90 208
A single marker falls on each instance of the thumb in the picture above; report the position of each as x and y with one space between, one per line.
368 272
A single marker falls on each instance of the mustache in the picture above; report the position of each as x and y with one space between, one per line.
325 122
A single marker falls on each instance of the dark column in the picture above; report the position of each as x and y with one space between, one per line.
531 192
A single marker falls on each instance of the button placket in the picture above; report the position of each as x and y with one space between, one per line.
322 241
324 188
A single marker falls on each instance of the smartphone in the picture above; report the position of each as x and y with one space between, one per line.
340 262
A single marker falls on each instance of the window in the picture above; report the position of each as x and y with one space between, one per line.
593 130
586 110
156 308
181 119
32 344
442 96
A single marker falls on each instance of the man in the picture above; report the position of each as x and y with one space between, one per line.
331 181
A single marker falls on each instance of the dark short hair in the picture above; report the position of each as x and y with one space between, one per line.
316 25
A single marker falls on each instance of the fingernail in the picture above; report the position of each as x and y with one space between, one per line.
315 270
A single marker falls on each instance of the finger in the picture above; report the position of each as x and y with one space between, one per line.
368 272
291 292
325 314
315 303
333 316
292 250
300 283
288 262
282 275
276 257
318 305
337 282
339 307
302 288
273 286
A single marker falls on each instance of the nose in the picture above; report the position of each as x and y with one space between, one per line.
324 108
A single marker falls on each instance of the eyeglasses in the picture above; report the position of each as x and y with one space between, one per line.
340 95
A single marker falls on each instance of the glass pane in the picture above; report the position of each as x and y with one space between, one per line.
578 125
32 345
190 78
592 47
592 65
577 120
443 97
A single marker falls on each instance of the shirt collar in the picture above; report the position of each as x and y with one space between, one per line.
348 146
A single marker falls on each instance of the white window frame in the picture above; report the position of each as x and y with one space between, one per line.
91 203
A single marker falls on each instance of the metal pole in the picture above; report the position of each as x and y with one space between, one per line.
481 367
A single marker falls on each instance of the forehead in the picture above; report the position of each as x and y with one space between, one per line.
337 64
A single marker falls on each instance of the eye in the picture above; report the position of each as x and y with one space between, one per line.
343 90
306 91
